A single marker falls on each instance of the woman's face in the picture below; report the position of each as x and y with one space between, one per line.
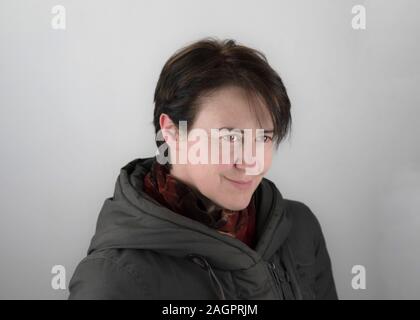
231 184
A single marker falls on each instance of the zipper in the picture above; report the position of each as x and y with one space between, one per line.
272 268
282 281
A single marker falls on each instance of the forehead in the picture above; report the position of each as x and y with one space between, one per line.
232 107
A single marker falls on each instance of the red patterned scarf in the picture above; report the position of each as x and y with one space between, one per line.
182 199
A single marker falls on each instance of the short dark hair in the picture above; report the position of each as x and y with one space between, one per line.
210 64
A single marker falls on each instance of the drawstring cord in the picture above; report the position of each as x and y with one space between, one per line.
203 263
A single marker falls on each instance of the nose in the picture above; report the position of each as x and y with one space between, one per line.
250 162
245 162
252 168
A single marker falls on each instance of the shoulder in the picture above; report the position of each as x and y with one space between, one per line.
309 251
302 216
108 274
306 236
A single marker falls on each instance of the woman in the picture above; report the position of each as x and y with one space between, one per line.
208 229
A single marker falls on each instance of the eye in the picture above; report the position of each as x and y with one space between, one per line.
265 139
231 137
269 139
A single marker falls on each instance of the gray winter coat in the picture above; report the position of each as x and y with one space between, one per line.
142 250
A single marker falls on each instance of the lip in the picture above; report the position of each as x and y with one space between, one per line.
240 183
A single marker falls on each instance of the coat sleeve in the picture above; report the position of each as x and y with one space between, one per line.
311 253
325 285
102 278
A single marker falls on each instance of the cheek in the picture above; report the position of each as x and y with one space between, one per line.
223 167
206 176
268 158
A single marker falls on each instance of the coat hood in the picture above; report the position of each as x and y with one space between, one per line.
133 220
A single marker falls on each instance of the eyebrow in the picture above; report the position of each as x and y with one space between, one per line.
242 131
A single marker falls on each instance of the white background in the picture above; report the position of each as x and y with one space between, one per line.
76 105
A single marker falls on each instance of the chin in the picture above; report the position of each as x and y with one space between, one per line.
236 206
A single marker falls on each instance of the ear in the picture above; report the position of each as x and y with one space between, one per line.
169 130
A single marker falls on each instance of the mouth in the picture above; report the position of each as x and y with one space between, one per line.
240 184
